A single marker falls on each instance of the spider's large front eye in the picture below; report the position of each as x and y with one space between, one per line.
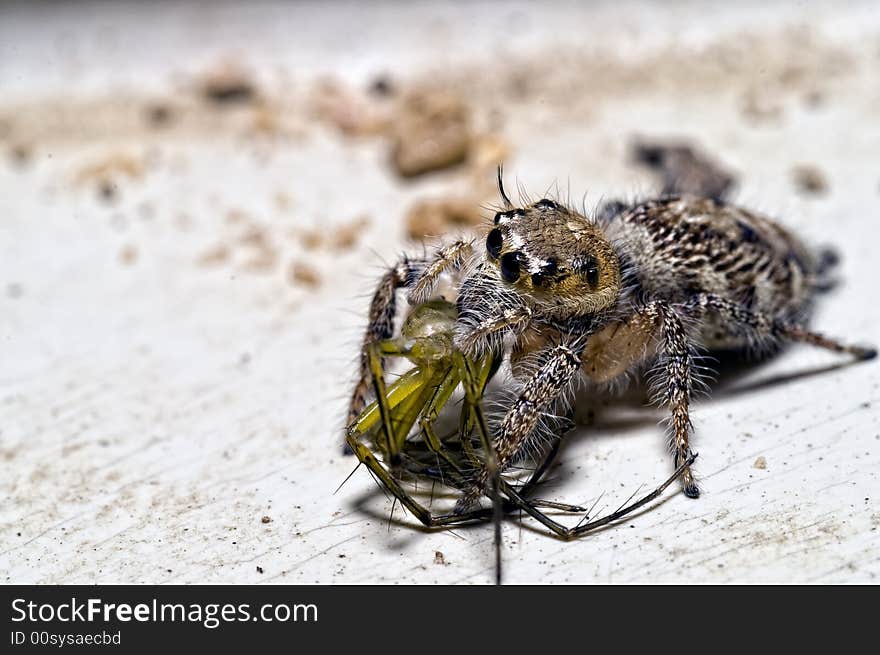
589 268
546 203
493 243
510 267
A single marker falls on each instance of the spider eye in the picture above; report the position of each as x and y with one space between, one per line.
546 204
589 267
510 267
548 270
512 213
493 243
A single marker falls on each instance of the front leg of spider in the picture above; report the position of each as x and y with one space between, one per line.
380 325
559 366
419 275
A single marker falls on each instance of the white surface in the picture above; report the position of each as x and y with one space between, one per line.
152 413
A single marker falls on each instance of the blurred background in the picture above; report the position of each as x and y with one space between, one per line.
195 202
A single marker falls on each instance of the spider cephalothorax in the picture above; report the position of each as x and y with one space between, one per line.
649 284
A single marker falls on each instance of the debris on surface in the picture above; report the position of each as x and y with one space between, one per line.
214 256
353 113
106 173
128 255
259 569
759 108
684 170
760 463
345 236
301 274
809 179
439 558
266 519
431 132
382 86
158 114
20 154
435 217
311 239
228 84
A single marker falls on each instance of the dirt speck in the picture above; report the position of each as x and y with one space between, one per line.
760 108
214 256
809 179
439 558
353 113
228 84
301 274
434 217
158 114
266 519
382 86
21 154
106 174
760 463
431 132
345 237
311 239
259 569
128 255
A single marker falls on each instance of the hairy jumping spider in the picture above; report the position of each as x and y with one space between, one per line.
647 287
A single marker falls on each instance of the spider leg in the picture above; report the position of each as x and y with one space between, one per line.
450 256
383 309
676 369
763 326
559 367
582 528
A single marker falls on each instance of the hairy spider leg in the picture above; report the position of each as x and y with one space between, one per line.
767 327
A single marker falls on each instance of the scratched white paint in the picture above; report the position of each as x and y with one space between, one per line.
152 413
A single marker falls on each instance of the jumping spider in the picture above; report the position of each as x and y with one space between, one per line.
402 424
652 285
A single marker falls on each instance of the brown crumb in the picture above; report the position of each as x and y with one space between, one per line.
255 236
266 519
439 558
431 132
158 114
311 239
216 255
107 190
353 113
382 86
346 235
227 85
487 151
264 260
112 166
809 179
20 154
235 216
760 463
128 255
435 217
106 173
759 108
302 274
283 201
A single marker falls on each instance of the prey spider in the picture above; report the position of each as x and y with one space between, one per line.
417 398
564 298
